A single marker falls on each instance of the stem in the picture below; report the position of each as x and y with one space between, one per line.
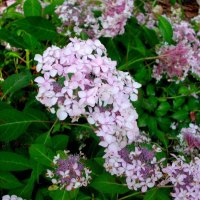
27 59
138 60
179 96
50 130
131 195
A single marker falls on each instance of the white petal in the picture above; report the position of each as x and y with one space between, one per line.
38 58
61 114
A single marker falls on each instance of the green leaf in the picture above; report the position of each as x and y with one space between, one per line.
152 124
107 184
161 136
60 142
63 194
150 90
150 104
180 115
41 154
165 29
164 123
12 124
16 82
13 162
44 139
31 41
40 28
150 36
157 194
38 115
27 190
8 181
32 8
162 109
12 38
178 102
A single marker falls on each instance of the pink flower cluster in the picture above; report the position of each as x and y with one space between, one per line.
81 80
190 137
185 178
68 172
177 60
79 16
174 61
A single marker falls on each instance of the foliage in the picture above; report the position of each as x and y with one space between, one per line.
30 136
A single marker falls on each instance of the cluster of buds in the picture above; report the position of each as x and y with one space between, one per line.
79 17
68 172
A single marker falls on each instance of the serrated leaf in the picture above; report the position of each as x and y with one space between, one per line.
16 82
165 28
13 162
32 8
107 184
8 181
41 154
40 28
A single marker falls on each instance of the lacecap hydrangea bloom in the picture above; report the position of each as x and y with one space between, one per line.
79 17
69 172
185 177
11 197
140 166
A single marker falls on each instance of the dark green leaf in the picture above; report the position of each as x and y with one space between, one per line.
157 194
12 124
161 136
60 142
107 184
12 38
162 109
180 115
40 28
16 82
63 194
41 154
32 8
178 102
8 181
13 162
